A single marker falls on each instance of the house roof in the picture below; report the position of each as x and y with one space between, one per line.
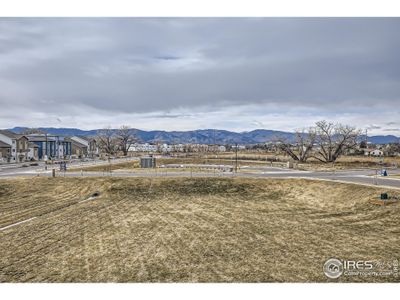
9 134
80 145
36 138
86 138
4 145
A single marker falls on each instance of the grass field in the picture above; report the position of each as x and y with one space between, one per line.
189 230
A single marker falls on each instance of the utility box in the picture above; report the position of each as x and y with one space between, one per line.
147 162
290 164
63 166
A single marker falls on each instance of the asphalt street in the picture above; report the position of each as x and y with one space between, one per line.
363 176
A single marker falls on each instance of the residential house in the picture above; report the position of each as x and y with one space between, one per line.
51 146
197 148
165 148
373 152
5 152
239 147
179 148
33 153
143 148
18 143
78 149
90 143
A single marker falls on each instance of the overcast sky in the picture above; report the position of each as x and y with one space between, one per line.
181 74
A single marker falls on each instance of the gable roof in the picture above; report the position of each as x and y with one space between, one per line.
9 134
4 145
36 138
76 143
85 138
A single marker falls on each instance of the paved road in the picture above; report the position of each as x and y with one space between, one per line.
24 169
352 176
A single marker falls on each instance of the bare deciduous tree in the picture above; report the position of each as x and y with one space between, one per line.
334 140
126 137
302 148
107 141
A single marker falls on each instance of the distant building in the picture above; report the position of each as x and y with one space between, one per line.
179 148
90 143
222 149
51 146
373 152
16 143
239 147
143 148
33 153
78 149
5 152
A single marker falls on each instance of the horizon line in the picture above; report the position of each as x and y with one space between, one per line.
240 132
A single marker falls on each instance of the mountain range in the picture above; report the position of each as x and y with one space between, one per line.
201 136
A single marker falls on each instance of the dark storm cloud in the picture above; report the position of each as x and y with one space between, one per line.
144 65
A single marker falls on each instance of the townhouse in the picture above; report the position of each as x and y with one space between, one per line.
15 147
86 146
51 146
78 149
5 152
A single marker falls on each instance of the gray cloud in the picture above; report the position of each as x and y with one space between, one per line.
65 67
372 126
391 129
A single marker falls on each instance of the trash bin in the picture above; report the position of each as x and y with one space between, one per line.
384 196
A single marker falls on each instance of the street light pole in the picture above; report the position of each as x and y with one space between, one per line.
236 158
46 145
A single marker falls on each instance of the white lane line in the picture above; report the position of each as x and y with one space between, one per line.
284 172
15 224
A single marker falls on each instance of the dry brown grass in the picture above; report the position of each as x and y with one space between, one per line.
351 162
343 163
189 230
